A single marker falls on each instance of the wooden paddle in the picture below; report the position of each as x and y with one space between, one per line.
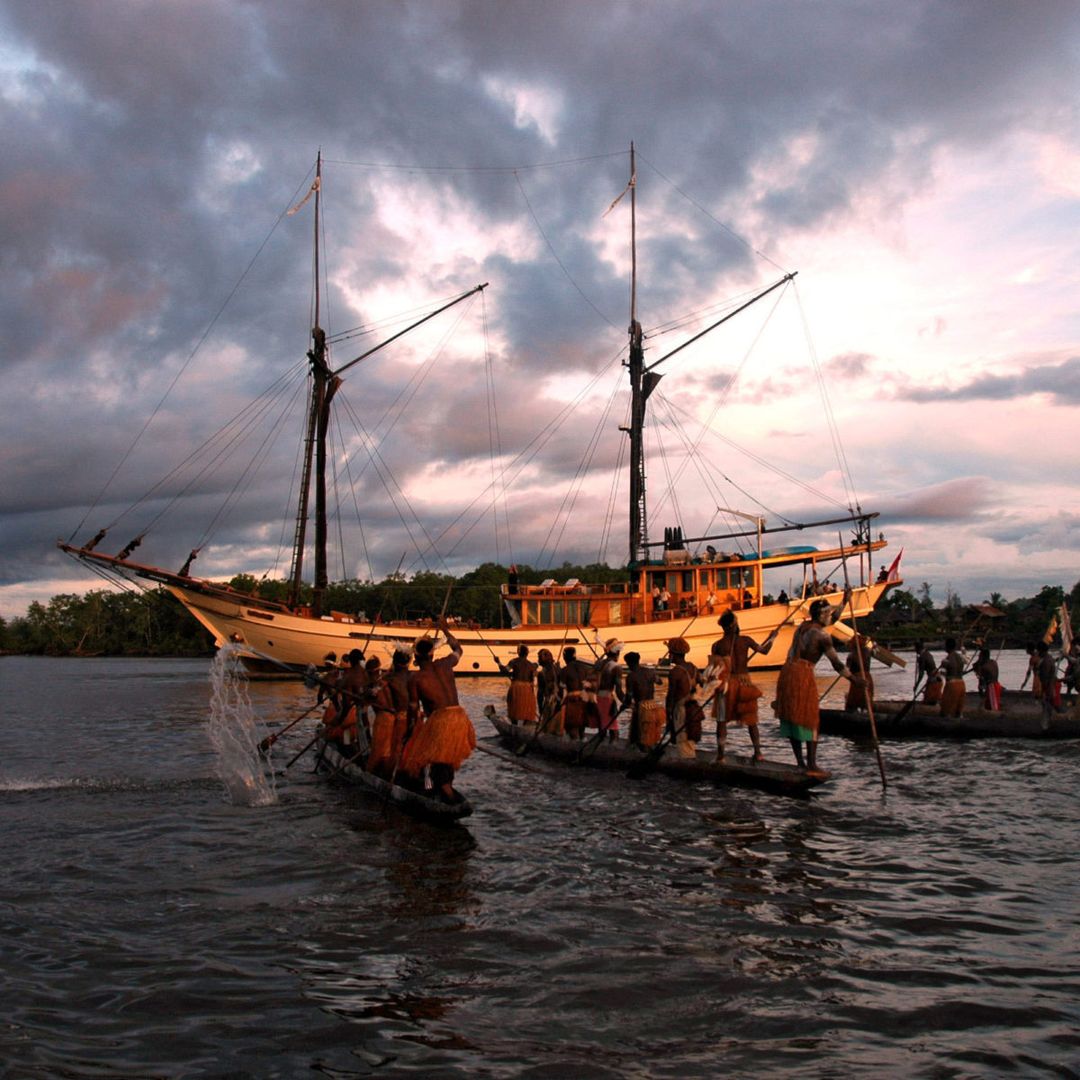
271 739
512 760
908 705
298 756
862 670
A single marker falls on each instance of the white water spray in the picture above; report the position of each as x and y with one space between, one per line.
234 734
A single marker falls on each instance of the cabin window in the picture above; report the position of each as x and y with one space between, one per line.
558 613
688 581
673 581
614 614
722 579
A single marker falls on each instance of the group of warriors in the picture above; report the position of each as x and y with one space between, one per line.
402 725
570 697
945 687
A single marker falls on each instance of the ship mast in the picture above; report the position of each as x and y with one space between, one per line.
324 385
641 385
643 382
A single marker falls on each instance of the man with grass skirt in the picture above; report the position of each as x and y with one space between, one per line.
796 704
444 737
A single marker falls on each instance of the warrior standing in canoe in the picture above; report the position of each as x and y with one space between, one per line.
608 688
796 704
390 723
986 670
738 705
927 667
684 713
447 737
952 697
521 694
572 683
646 713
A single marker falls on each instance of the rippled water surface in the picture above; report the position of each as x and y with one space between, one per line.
578 924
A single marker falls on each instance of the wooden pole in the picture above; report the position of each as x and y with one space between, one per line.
862 670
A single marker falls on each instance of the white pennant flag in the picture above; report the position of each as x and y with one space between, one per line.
615 202
311 191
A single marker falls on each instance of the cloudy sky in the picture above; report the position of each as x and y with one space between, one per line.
917 164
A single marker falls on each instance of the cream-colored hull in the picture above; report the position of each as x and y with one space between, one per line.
283 641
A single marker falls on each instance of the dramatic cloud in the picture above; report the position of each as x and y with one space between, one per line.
1060 383
917 164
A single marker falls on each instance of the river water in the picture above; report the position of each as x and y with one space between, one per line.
156 922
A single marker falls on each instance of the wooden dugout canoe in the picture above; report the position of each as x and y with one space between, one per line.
733 770
1020 717
415 803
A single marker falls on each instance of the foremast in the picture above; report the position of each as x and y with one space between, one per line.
325 383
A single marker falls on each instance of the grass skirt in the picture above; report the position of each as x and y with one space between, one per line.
796 704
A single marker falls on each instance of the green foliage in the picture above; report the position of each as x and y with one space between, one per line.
108 623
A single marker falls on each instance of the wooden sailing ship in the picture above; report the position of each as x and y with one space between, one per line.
701 576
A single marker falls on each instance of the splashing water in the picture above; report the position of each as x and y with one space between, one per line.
234 735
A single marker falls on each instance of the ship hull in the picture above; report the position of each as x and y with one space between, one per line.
280 642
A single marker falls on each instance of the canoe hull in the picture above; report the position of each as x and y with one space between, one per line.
410 802
1019 718
734 770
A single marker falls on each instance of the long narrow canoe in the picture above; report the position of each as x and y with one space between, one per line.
418 804
732 769
1019 718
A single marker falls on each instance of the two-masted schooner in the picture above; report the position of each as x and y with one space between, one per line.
677 587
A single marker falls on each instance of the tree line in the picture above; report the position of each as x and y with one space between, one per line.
151 622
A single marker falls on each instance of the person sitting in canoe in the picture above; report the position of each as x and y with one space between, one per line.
954 664
521 694
796 704
447 737
739 705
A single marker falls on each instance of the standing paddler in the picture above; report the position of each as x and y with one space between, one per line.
447 737
739 703
796 704
521 693
608 688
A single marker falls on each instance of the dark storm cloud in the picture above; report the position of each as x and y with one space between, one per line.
1059 382
147 152
963 499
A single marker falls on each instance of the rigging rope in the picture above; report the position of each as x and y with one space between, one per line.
191 356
